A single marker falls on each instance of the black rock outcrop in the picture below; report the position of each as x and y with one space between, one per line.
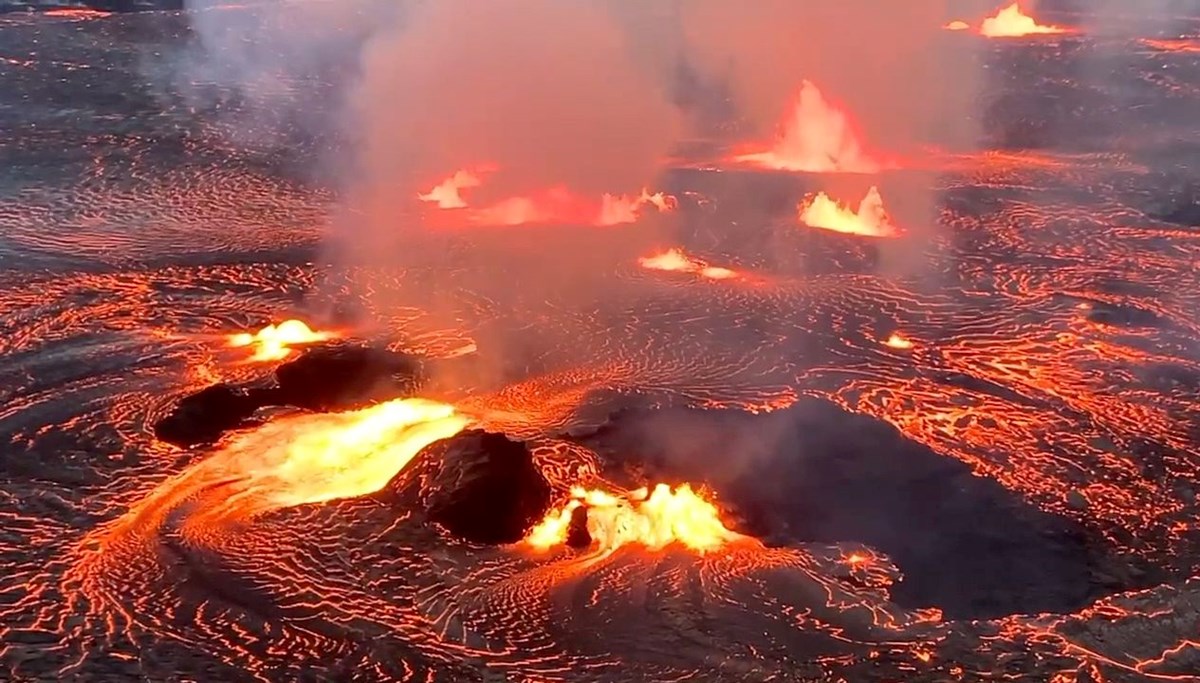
485 488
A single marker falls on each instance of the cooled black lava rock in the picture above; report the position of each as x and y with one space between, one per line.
578 535
486 488
344 377
204 416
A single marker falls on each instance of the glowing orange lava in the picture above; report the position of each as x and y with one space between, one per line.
897 341
957 26
77 13
1010 22
315 458
676 261
871 219
653 519
817 137
560 205
1173 44
446 194
275 342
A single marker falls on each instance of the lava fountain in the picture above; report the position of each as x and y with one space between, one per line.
557 204
1011 22
818 136
653 519
674 260
871 220
275 342
447 194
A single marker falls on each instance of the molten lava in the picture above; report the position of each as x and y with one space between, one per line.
653 519
871 220
897 341
1010 22
275 342
552 205
957 26
676 261
446 195
314 458
817 137
77 13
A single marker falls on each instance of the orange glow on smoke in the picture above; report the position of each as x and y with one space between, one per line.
654 519
870 220
1011 22
897 341
816 137
274 342
315 458
552 205
676 261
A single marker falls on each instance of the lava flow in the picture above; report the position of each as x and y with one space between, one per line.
1011 22
675 260
309 458
870 220
275 342
816 137
653 519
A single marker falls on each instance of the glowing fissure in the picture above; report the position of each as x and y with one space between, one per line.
275 342
653 519
816 137
870 220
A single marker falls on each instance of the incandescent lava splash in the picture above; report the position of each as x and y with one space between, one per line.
817 136
674 260
1011 22
447 195
275 342
653 519
871 220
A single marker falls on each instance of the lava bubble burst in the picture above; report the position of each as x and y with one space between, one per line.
542 341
